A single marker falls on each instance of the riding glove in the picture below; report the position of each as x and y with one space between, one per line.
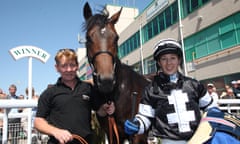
131 127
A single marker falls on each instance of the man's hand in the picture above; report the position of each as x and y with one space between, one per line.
106 109
63 136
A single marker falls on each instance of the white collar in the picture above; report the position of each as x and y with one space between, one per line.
174 78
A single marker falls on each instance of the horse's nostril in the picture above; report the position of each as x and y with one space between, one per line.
106 85
106 82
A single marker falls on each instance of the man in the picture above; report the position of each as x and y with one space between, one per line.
236 88
14 124
65 107
171 103
211 91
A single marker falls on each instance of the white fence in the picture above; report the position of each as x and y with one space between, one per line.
228 105
7 104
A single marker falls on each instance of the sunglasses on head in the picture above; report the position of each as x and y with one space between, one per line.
66 49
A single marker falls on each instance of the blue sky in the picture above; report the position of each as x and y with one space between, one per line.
47 24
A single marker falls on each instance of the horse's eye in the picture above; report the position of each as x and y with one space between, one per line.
116 38
88 38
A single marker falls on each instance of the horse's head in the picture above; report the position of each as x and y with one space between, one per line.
102 47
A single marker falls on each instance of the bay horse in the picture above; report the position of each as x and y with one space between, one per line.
114 80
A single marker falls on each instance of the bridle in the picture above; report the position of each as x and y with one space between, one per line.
92 59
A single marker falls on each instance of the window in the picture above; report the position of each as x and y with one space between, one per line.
174 13
156 29
151 66
149 30
168 17
188 6
220 36
162 21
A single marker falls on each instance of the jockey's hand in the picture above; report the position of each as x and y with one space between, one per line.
131 127
106 109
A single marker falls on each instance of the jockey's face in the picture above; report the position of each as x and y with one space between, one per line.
169 63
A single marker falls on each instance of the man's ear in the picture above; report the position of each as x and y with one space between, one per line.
56 67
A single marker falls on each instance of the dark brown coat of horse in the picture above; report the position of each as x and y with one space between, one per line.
114 80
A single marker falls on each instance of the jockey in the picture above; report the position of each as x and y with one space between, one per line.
172 103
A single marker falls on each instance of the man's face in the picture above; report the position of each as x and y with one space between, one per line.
12 90
67 68
235 85
210 89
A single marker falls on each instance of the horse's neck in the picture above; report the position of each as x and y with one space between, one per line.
126 74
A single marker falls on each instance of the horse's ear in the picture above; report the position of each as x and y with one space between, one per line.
87 12
115 17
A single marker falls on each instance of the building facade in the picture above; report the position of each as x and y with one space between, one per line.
209 31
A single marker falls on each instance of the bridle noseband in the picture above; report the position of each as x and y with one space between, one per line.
92 59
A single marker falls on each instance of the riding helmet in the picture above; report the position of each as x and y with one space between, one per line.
166 46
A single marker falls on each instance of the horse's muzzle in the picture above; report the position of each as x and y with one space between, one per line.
105 85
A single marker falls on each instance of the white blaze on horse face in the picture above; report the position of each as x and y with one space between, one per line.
181 116
103 30
104 41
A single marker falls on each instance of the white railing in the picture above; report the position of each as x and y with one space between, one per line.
229 105
7 104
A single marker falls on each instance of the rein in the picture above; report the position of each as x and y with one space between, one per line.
80 139
113 131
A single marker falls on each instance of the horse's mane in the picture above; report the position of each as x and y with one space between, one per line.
128 70
100 19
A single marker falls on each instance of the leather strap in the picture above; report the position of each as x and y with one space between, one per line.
80 139
113 131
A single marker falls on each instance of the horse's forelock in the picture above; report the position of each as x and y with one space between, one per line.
97 19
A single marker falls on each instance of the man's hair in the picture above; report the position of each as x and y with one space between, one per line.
70 54
13 86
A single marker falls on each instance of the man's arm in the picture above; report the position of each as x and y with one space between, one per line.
43 126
